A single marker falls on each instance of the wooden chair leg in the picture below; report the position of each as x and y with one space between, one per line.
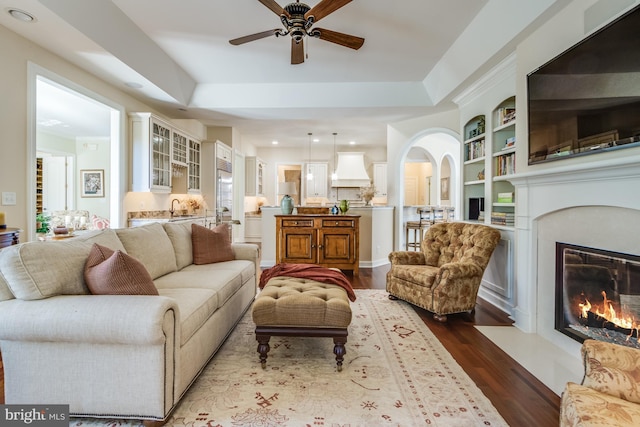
440 317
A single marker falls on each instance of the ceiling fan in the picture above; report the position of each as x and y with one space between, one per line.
297 19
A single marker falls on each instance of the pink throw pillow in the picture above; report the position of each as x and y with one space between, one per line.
109 272
99 223
211 246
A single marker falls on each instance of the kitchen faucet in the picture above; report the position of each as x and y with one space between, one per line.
172 210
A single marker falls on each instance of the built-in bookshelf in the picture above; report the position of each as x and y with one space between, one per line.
474 166
503 163
489 161
38 185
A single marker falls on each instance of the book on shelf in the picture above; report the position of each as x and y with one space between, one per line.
506 164
503 218
505 197
506 115
475 150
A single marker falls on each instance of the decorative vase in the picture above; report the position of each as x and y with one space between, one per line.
367 201
286 205
344 206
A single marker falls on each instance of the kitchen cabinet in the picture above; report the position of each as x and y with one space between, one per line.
254 176
160 152
193 170
380 179
253 228
326 240
317 185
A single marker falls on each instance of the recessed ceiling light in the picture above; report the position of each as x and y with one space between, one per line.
21 15
316 140
274 142
352 143
133 85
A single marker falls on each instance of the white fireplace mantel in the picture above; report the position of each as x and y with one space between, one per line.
584 196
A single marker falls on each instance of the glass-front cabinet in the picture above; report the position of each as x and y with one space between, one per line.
163 156
194 167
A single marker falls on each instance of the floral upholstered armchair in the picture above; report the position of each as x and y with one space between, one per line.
444 277
610 391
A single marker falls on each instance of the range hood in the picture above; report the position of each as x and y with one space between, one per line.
351 171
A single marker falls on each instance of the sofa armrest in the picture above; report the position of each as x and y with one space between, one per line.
407 258
612 369
99 319
247 251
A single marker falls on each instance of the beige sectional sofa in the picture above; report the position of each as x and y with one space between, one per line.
126 356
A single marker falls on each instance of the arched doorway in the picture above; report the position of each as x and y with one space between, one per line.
441 147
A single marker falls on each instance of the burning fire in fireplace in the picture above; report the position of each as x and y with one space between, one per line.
608 318
597 294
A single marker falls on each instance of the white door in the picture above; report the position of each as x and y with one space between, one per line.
57 183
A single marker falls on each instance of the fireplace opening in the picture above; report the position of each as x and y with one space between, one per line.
597 294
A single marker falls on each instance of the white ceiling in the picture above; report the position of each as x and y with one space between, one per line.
179 52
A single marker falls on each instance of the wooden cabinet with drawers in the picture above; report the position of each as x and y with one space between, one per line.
327 240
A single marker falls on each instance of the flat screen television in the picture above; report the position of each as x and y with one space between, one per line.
587 99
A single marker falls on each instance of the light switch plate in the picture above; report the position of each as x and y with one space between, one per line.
8 198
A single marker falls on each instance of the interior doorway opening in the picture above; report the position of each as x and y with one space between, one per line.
72 132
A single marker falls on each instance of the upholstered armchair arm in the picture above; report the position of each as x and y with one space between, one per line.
612 369
456 287
407 258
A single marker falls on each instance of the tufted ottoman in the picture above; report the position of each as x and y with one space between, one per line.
295 307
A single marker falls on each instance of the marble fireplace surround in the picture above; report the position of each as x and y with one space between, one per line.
594 204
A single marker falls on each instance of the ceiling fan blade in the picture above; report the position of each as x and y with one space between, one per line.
324 8
297 52
271 4
252 37
342 39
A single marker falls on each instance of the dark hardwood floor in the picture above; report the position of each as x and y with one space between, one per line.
520 398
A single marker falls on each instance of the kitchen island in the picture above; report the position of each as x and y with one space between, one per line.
375 242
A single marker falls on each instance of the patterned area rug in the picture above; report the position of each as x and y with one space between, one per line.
396 373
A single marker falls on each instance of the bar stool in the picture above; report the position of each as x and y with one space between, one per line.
418 228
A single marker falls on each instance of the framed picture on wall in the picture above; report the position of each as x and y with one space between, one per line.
92 183
444 188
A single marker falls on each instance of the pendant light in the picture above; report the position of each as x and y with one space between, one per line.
309 174
334 175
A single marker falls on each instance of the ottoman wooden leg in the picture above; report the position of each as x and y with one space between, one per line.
339 350
263 348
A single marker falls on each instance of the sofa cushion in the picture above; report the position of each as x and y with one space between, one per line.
419 275
180 235
195 307
150 245
37 270
225 278
210 246
110 272
5 292
107 238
